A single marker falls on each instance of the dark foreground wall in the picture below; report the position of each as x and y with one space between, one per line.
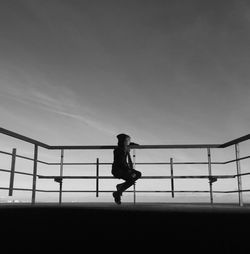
112 229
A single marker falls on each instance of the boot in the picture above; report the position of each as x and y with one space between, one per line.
117 197
119 188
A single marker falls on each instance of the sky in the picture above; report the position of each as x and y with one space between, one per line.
164 72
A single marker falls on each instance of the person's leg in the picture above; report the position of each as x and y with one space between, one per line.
136 174
117 194
130 179
120 175
124 186
117 197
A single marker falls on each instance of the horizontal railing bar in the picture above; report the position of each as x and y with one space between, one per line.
31 159
143 163
88 191
139 191
239 159
243 174
18 189
110 163
143 177
91 191
106 147
138 163
236 191
16 172
176 163
24 157
6 153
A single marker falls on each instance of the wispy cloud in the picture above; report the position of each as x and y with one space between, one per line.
64 103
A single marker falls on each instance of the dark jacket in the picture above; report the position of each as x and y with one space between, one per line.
122 161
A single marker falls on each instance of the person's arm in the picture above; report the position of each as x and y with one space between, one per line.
130 162
129 157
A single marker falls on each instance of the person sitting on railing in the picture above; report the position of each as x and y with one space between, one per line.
123 169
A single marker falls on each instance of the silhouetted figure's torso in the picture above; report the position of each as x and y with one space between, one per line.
122 162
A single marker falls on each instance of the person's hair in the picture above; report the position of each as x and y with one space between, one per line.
122 141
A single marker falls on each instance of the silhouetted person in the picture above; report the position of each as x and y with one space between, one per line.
122 166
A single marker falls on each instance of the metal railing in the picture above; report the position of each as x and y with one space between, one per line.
59 178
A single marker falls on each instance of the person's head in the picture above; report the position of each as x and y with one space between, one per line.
127 141
123 140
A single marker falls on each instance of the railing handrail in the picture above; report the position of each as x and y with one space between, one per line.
89 147
235 141
23 138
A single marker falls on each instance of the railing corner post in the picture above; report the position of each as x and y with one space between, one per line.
97 177
172 176
12 173
210 176
238 168
61 175
134 163
33 199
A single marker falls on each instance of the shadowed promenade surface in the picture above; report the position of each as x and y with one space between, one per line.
195 227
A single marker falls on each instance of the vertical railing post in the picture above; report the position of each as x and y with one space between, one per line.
61 174
12 173
134 153
210 175
33 199
172 176
238 168
97 177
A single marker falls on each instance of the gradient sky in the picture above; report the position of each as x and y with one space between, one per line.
164 72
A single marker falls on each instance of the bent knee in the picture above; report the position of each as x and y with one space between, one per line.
138 174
